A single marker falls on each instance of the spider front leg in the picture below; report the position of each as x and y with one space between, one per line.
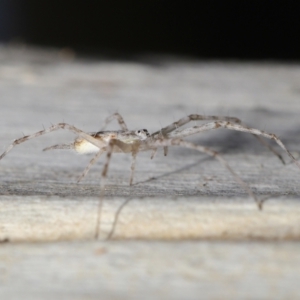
166 132
193 117
163 133
232 126
257 132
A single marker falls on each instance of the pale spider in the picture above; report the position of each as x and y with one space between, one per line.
127 141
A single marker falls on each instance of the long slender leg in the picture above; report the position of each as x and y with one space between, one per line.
231 126
134 148
185 144
264 143
119 119
164 132
126 148
124 127
58 126
92 162
193 117
97 155
118 212
107 121
60 146
258 132
102 188
153 153
165 151
134 154
181 122
95 158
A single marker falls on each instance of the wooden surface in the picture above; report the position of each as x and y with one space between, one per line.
195 230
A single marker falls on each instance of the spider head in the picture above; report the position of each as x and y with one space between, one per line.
142 133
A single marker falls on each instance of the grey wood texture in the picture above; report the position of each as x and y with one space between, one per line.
175 199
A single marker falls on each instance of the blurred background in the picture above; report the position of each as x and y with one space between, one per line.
201 29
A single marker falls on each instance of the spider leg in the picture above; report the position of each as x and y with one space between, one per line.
60 146
58 126
194 117
119 119
165 151
232 126
110 149
181 122
264 143
185 144
164 132
153 153
134 154
271 136
107 121
95 158
127 148
92 162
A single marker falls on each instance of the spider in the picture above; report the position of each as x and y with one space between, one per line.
128 141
